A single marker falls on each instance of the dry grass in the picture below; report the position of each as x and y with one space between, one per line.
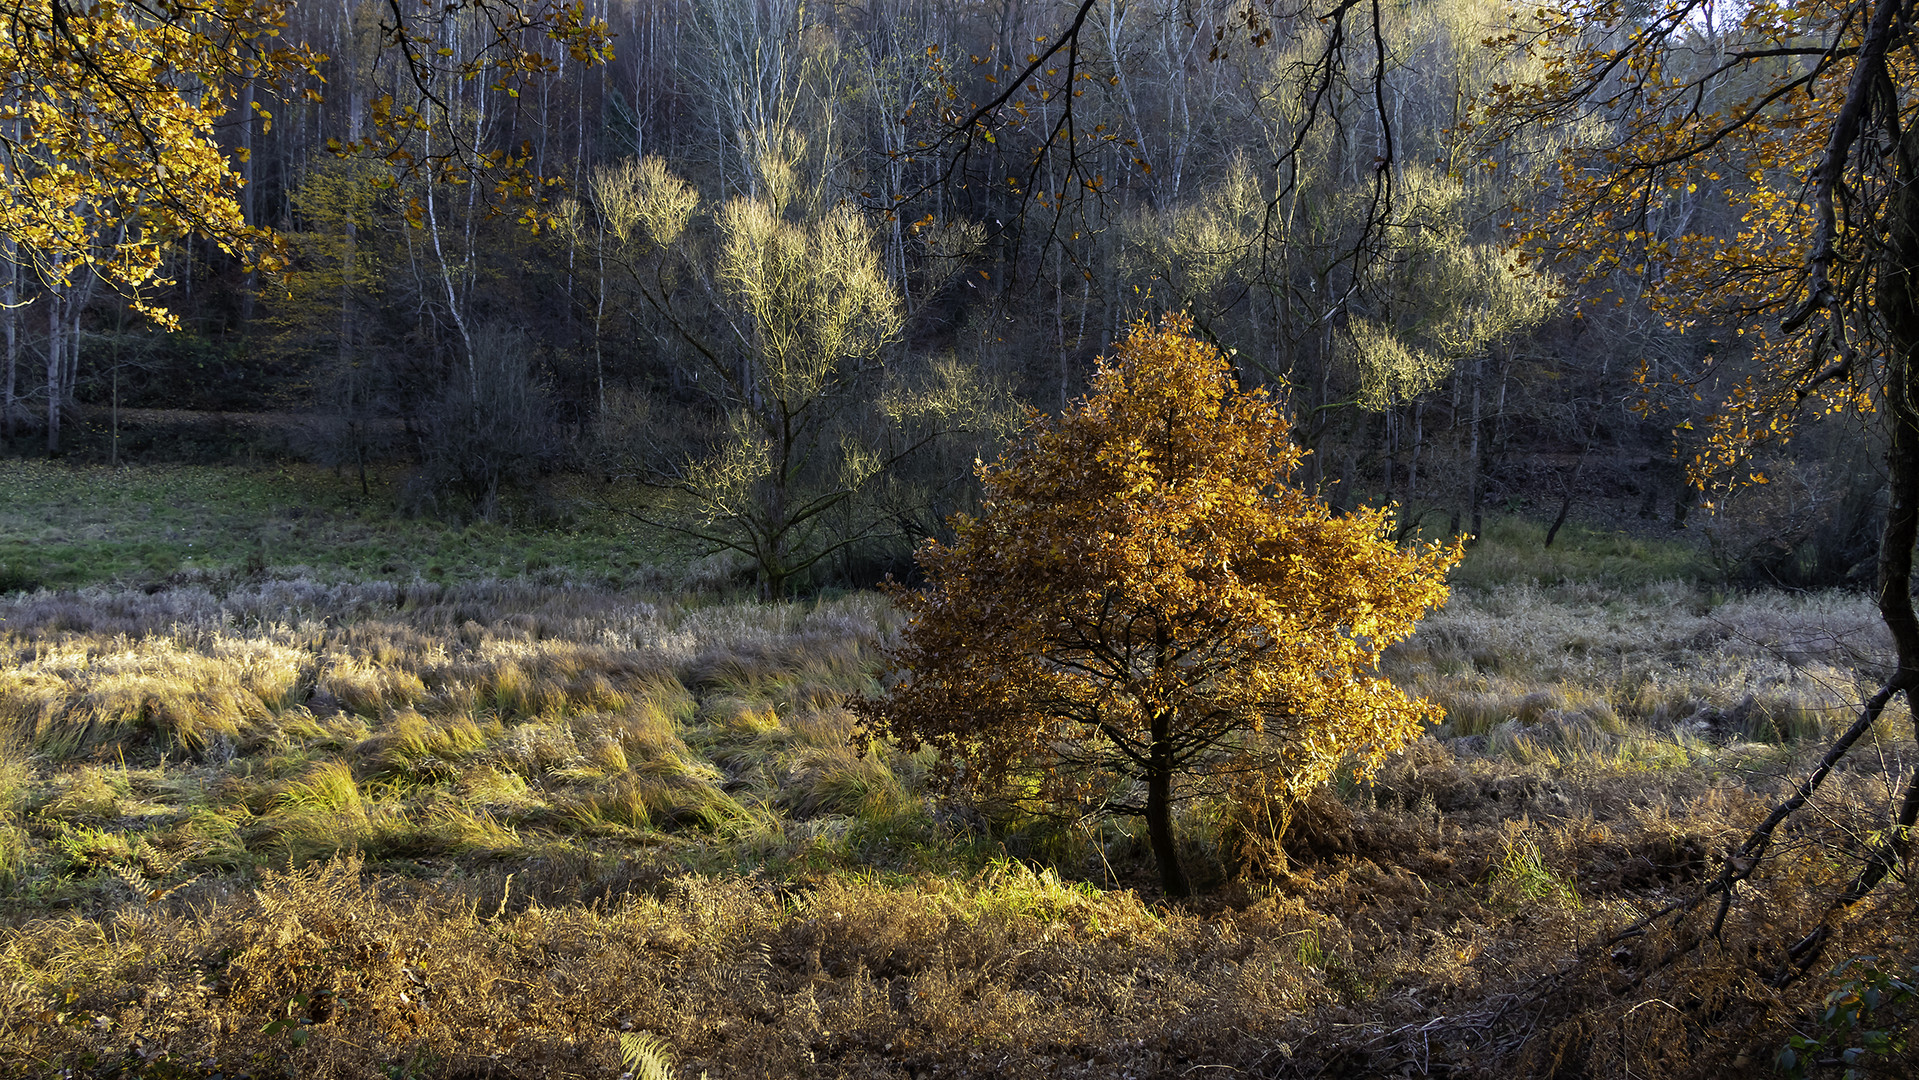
507 830
1576 670
487 719
1425 918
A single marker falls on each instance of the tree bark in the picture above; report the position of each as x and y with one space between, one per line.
1345 498
1419 442
249 212
452 295
113 444
1475 463
1389 443
1159 808
1898 306
10 311
76 307
1566 503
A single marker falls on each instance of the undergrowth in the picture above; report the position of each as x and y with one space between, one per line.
287 827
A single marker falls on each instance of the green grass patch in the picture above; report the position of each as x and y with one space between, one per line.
1513 551
67 526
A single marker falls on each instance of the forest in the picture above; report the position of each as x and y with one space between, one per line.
552 538
539 270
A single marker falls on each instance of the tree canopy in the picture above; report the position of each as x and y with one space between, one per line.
108 117
1147 606
107 131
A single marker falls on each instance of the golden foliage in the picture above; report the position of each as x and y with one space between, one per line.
640 198
1145 595
1690 181
108 119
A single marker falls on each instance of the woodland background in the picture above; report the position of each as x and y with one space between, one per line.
491 337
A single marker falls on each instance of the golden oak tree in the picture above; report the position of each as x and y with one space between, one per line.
1757 169
1146 607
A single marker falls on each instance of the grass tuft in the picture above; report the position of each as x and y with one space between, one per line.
91 793
1521 879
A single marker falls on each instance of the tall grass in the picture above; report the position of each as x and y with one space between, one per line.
305 720
497 827
1597 667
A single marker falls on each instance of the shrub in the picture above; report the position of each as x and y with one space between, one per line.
490 430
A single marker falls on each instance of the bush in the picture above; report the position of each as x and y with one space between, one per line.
1807 527
490 431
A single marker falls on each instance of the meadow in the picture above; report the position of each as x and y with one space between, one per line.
282 812
68 526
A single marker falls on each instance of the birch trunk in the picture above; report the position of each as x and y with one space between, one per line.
56 363
10 312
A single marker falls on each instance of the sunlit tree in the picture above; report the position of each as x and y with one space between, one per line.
1145 607
793 322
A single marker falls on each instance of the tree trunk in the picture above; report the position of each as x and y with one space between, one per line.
1898 306
56 363
1390 442
1343 498
599 334
249 212
452 295
77 307
113 451
1159 808
1419 442
1572 482
1475 459
1565 506
10 311
1059 322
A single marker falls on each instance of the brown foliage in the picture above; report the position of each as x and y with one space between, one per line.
1443 943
